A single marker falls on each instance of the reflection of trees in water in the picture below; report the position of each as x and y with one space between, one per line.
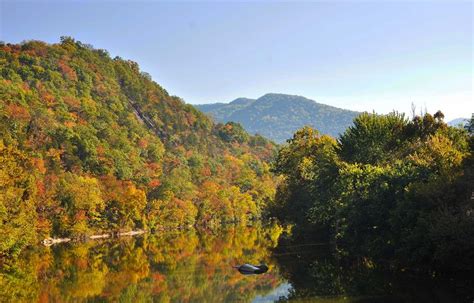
168 267
315 272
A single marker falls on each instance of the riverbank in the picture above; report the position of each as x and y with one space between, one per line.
53 241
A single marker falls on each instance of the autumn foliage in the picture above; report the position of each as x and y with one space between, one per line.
92 144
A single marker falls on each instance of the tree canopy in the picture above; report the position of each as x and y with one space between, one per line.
390 188
90 143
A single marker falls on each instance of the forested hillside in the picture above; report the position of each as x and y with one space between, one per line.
278 116
90 144
389 189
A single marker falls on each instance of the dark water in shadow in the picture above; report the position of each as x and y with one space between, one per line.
196 266
316 274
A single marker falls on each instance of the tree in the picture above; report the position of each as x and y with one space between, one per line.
309 163
372 138
81 198
391 189
232 132
125 205
17 201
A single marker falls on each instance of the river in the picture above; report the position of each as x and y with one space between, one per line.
197 266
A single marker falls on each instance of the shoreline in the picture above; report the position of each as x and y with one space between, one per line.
112 235
131 233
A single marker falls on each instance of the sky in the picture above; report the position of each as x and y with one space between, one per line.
366 56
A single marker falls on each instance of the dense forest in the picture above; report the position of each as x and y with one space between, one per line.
278 116
89 143
389 190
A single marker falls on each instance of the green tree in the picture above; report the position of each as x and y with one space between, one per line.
372 138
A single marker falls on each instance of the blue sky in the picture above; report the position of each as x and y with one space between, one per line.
351 54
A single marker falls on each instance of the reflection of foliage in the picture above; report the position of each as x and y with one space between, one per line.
165 267
19 281
317 275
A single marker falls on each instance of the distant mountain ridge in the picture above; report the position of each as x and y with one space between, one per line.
457 121
278 116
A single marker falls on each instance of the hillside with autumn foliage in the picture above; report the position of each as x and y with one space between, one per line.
89 143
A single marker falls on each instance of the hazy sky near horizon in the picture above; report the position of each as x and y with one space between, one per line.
357 55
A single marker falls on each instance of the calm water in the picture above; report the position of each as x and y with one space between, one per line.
196 266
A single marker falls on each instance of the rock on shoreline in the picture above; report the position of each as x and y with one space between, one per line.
52 241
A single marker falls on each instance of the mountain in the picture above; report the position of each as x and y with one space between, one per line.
458 121
278 116
90 144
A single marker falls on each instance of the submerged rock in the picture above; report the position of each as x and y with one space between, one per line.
249 269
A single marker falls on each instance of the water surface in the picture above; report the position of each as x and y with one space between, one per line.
196 266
